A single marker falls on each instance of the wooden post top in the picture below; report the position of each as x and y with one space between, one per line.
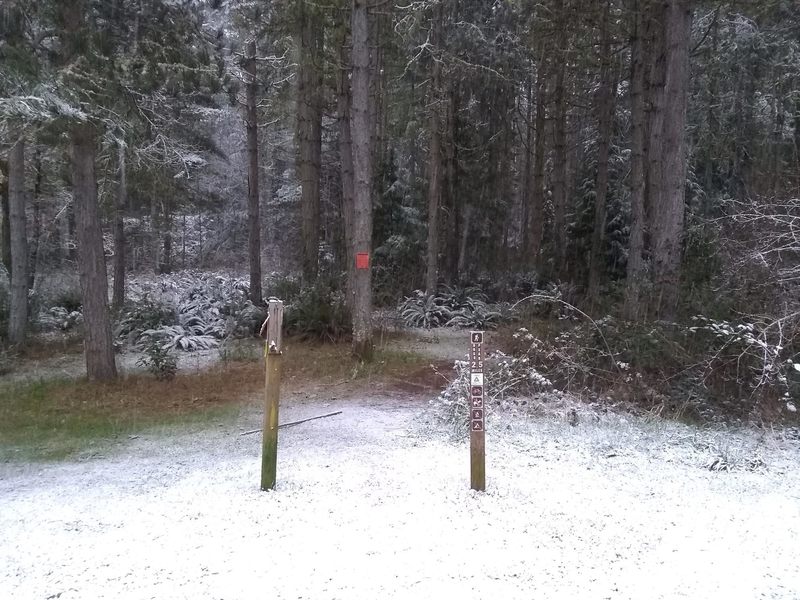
272 329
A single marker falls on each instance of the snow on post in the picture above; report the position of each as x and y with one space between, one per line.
477 417
271 331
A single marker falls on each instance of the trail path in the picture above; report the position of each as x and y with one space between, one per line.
374 504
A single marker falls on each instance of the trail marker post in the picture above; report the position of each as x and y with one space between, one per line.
271 331
477 417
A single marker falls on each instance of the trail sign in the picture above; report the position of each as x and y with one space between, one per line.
477 421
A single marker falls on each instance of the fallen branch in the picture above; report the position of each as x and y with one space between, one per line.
291 423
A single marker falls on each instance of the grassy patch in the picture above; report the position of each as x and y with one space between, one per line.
50 420
54 419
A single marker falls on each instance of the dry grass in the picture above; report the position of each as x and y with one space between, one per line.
56 418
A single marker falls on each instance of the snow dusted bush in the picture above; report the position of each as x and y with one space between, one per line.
57 302
188 311
759 356
59 317
508 378
426 311
466 308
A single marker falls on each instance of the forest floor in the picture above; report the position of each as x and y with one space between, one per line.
375 503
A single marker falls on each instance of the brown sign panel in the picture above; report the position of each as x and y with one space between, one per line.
477 425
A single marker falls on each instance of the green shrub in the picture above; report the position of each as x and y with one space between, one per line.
159 360
240 351
427 311
70 299
283 287
143 315
319 312
465 307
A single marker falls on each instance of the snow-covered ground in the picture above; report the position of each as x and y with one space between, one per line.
374 504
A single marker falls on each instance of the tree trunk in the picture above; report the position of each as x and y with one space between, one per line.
253 199
376 88
309 134
538 191
97 342
710 163
797 140
434 165
346 161
118 294
36 241
18 314
526 173
155 237
166 244
655 121
71 238
463 246
605 109
560 160
636 267
100 364
362 173
5 234
668 231
449 188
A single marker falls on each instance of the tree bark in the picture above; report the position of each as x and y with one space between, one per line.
166 245
526 173
605 108
98 347
449 188
309 134
5 233
668 232
434 164
538 191
36 241
71 241
155 237
100 364
362 173
655 120
635 270
253 197
18 314
560 156
346 161
118 294
463 242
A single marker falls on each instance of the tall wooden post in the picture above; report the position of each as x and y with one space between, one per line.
272 332
477 417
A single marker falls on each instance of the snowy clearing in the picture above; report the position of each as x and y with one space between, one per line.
374 503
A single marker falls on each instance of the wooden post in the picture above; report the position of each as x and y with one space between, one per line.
272 332
477 417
